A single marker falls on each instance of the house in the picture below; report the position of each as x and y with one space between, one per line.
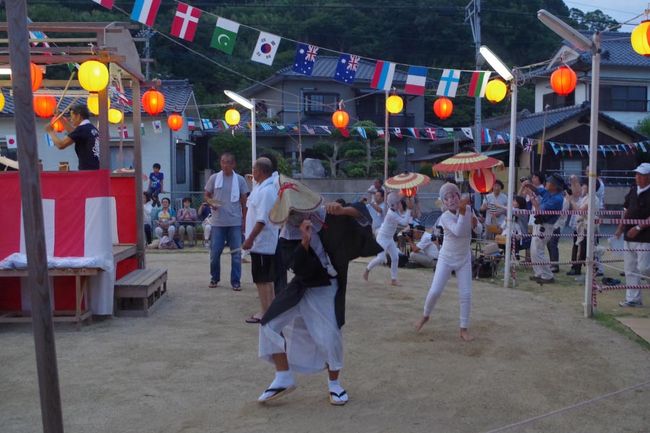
172 150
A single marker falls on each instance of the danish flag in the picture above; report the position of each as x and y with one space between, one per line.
185 22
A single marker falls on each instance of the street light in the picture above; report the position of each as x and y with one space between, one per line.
583 43
249 104
508 75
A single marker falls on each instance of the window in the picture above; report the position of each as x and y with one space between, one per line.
556 101
180 164
623 98
318 103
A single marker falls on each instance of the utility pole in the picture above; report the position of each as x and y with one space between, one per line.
473 16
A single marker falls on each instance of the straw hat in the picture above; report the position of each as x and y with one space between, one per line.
293 195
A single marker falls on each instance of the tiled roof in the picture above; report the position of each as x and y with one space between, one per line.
532 124
177 94
617 51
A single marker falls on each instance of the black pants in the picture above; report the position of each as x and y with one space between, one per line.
283 262
578 252
147 233
553 250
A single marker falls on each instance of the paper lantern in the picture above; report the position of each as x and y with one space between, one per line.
115 115
175 121
37 76
93 75
409 192
2 101
443 107
232 117
563 80
340 119
640 38
93 103
496 91
44 105
394 104
57 125
482 180
153 102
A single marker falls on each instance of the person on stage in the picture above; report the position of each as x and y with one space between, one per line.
455 255
301 330
82 134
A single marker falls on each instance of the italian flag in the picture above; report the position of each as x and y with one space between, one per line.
478 84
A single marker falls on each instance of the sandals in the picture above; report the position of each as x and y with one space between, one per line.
253 320
236 288
213 284
338 399
275 393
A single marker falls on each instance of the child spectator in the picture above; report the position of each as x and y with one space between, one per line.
156 178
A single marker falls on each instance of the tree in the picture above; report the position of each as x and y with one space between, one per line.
643 126
238 145
331 151
593 21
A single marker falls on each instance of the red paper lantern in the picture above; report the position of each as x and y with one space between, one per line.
340 119
175 122
37 76
563 80
482 180
57 125
153 102
443 108
409 192
44 105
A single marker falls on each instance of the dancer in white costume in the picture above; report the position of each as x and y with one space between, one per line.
455 255
393 219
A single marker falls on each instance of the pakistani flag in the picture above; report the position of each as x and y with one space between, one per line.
224 35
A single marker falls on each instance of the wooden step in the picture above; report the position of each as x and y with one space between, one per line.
137 292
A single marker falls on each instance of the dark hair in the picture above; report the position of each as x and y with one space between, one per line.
166 198
272 158
540 176
341 201
82 110
146 195
156 165
187 199
264 167
228 155
521 201
498 182
451 179
381 182
382 192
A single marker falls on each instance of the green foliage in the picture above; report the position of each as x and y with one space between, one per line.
593 21
426 169
643 127
238 145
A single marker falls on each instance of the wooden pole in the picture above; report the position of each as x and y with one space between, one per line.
30 186
104 136
137 166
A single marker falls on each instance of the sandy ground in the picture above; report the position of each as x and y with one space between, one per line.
192 366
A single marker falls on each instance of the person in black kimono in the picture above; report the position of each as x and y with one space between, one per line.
301 330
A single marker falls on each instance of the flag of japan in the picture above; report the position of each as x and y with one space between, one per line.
11 142
185 22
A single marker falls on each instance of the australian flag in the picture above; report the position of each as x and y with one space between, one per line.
346 68
305 59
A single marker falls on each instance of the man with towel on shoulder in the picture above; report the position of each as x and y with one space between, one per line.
226 191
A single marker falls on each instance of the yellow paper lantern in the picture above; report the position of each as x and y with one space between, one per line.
93 75
93 103
232 117
394 104
115 115
496 91
2 101
640 38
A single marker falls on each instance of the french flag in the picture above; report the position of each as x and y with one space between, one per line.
145 11
416 80
383 75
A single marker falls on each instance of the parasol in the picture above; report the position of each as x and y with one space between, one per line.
467 161
406 180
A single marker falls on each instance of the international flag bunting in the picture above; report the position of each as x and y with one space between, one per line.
431 133
468 133
224 36
145 11
326 129
266 48
48 140
414 132
265 126
305 59
11 141
486 136
185 22
310 130
416 80
398 132
448 84
362 133
478 83
380 132
383 75
108 4
123 131
346 68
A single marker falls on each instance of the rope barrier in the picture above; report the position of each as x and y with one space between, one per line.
570 262
565 212
604 288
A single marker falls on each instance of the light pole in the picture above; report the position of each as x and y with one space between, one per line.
509 76
250 104
583 43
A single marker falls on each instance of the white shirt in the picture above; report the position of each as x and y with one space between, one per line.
260 203
427 246
391 221
491 201
147 208
458 235
377 217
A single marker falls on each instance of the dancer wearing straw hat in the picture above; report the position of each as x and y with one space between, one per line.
455 255
82 134
301 330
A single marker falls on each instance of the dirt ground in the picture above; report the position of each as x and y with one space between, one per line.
192 366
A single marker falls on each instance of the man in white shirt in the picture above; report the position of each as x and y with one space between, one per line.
262 238
425 252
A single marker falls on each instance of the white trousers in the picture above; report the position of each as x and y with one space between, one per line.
307 333
390 249
206 231
538 250
636 262
422 260
171 231
441 277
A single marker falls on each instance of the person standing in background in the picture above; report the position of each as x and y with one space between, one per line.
82 134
